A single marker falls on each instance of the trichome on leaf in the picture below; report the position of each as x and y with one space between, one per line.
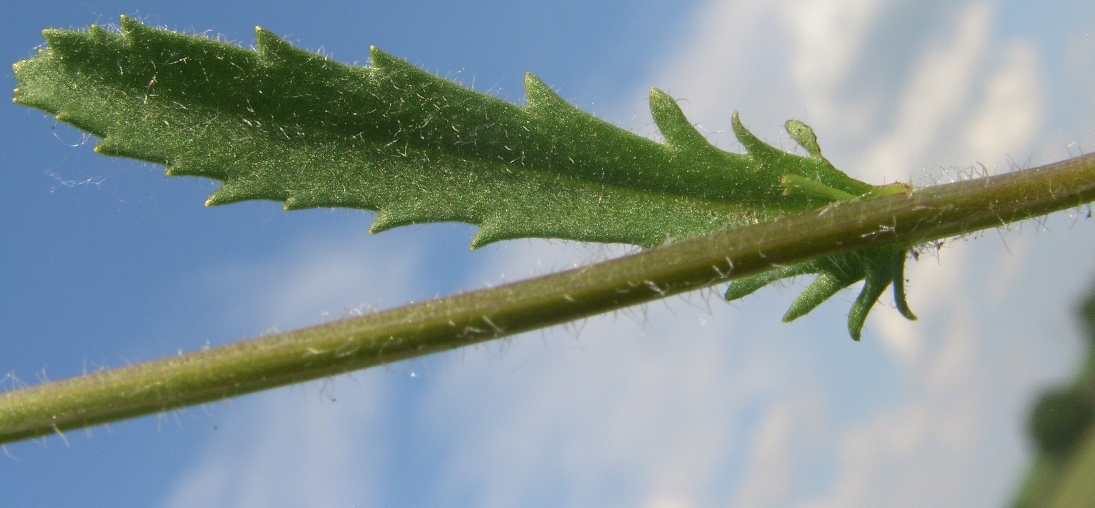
279 123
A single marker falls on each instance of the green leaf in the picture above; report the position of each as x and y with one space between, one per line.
283 124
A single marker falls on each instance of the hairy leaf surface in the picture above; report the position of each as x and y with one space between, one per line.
279 123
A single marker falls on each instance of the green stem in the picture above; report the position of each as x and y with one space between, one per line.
457 321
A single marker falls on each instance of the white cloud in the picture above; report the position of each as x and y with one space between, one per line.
827 36
293 449
793 428
716 45
1011 110
305 445
620 400
318 280
936 98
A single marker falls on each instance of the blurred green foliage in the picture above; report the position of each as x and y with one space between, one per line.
1061 427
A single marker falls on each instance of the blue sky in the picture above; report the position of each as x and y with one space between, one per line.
688 402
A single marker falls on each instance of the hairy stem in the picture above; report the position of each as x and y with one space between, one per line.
448 323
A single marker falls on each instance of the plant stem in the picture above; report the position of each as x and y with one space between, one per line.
457 321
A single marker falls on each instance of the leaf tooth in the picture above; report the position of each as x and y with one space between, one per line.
826 285
187 166
31 92
672 123
132 31
384 62
240 190
395 216
302 201
85 122
541 96
746 286
17 69
757 148
898 271
66 117
873 287
185 170
267 42
227 194
492 230
130 25
115 146
275 50
28 97
64 42
804 136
